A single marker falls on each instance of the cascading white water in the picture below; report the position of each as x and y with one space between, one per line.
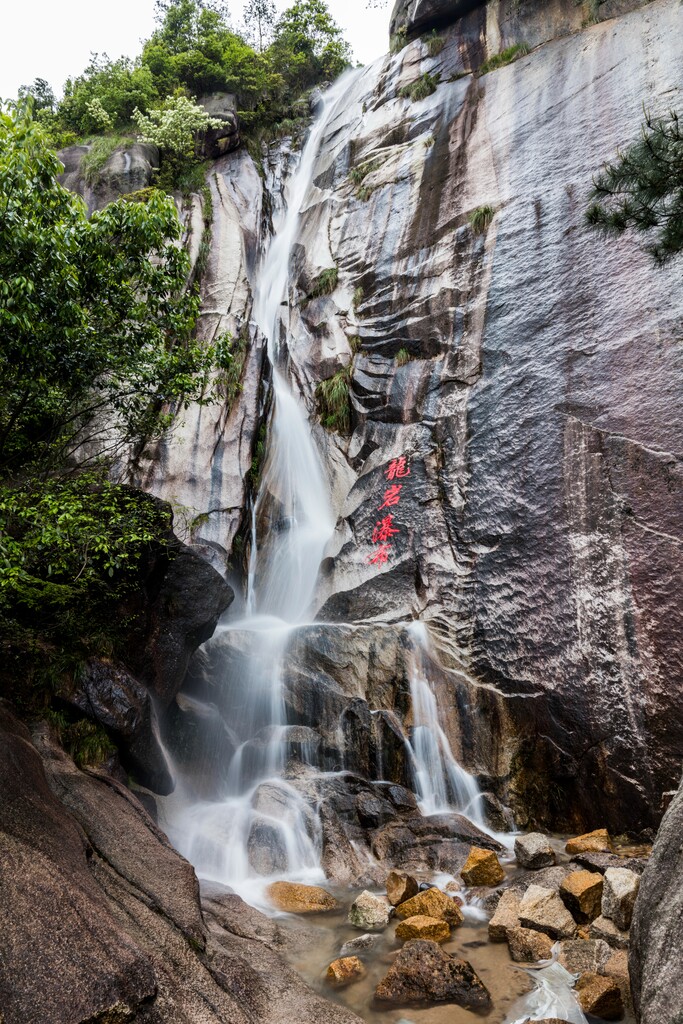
261 825
441 784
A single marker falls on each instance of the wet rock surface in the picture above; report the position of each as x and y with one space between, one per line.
529 946
657 928
431 903
369 912
423 972
482 867
421 927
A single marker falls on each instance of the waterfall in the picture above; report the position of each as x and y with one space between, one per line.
261 826
441 784
257 825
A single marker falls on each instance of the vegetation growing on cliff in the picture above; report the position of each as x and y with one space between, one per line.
96 338
334 401
643 189
193 52
507 56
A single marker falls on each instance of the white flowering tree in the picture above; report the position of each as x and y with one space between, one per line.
172 128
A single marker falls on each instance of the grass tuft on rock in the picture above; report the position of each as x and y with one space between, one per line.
419 89
334 401
101 149
402 357
508 56
481 218
434 44
358 296
324 284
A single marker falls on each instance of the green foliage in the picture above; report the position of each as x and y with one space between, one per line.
420 89
95 337
643 189
324 284
481 218
233 358
334 401
41 94
172 127
358 295
355 344
70 540
359 174
101 149
116 88
402 357
434 44
507 56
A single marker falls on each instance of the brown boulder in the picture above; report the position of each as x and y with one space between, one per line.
600 996
581 893
400 887
505 917
482 867
617 969
344 971
421 927
597 841
581 955
528 946
424 973
431 903
294 898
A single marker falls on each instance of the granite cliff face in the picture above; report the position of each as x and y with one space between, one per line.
534 396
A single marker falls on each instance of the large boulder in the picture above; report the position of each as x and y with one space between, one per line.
533 851
656 951
221 138
112 697
424 972
431 903
129 169
543 910
101 916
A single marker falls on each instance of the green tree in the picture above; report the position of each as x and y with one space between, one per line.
308 44
96 322
118 86
41 93
643 189
259 17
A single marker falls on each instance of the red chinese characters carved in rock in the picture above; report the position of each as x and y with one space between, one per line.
385 529
392 496
380 556
397 468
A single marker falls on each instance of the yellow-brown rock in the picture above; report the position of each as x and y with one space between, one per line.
592 842
581 893
482 867
294 898
600 996
400 887
344 971
529 946
422 927
431 903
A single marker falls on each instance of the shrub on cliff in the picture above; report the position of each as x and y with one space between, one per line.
96 339
643 189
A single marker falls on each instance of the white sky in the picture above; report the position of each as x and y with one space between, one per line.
53 39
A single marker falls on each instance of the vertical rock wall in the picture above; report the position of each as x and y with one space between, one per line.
538 406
